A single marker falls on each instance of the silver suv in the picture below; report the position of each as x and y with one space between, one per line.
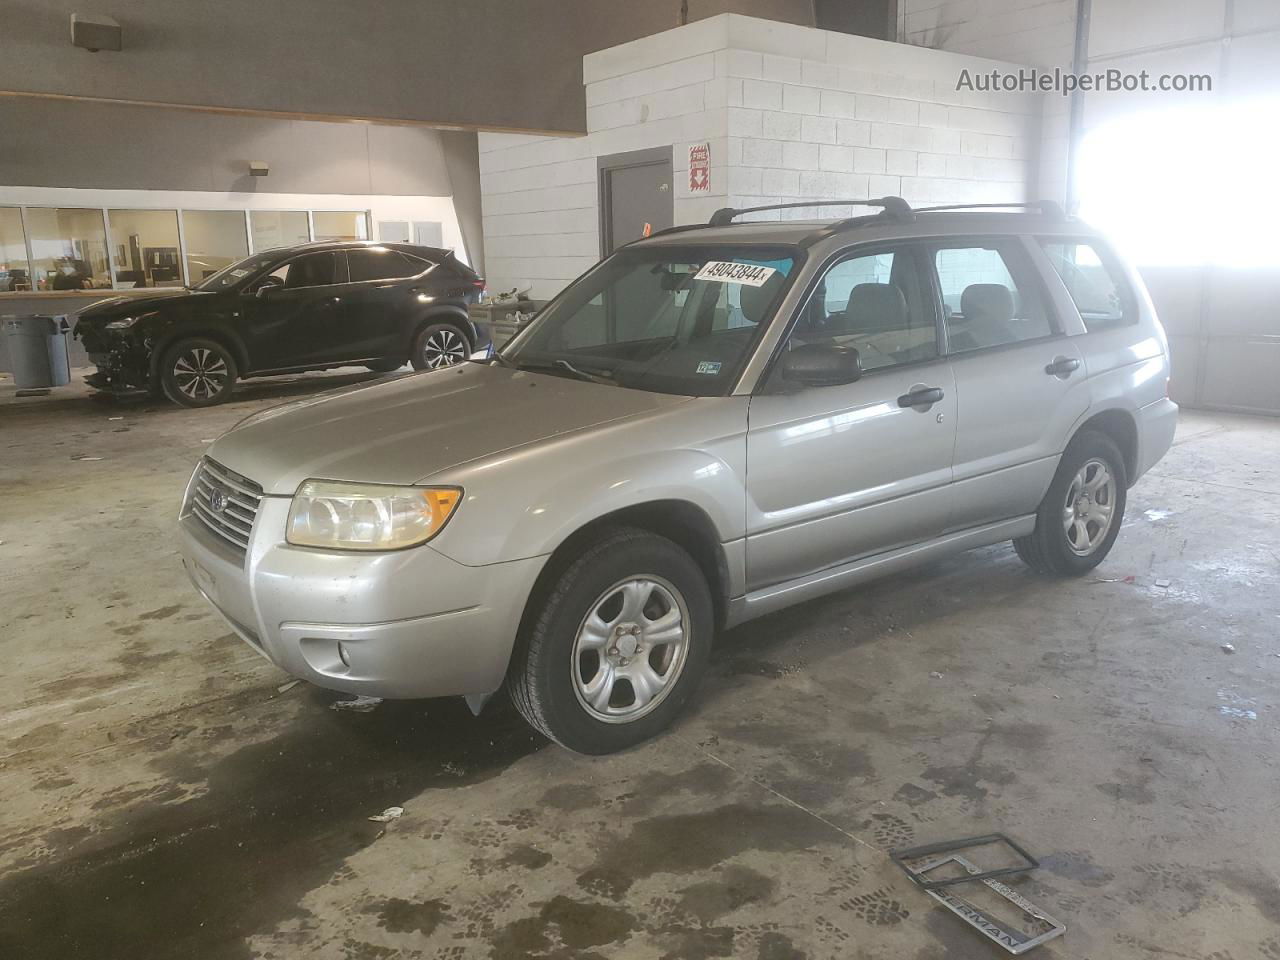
712 424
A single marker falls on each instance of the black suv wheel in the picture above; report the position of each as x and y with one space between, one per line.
439 345
197 372
618 646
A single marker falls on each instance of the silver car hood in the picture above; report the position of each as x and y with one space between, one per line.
405 430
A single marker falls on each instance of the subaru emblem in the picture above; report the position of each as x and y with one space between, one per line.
217 501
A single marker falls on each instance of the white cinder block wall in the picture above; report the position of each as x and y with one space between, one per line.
791 114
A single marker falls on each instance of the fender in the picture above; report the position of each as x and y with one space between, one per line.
176 330
436 314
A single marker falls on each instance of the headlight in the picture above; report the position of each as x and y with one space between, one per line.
124 323
368 516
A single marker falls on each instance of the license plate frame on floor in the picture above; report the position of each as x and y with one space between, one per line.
1001 931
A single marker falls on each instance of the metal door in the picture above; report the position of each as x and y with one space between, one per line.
635 193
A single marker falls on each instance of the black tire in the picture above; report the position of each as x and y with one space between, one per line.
543 678
196 372
439 345
1050 548
384 366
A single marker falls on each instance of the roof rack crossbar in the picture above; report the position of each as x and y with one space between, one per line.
894 207
1047 207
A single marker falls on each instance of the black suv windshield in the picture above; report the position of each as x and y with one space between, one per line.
232 275
680 320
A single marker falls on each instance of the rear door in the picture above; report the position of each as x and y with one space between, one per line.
376 304
840 472
298 323
1020 381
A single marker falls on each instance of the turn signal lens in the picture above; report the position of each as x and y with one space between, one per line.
368 516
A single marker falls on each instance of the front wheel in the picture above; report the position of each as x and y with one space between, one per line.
1079 518
618 646
197 373
439 345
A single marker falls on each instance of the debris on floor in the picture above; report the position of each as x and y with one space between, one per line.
1228 648
939 869
936 675
387 815
286 687
1162 583
358 705
85 459
1154 515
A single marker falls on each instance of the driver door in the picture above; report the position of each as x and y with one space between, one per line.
835 473
297 319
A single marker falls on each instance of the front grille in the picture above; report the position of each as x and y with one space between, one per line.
239 498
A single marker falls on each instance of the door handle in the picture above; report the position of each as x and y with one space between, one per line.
1062 367
921 397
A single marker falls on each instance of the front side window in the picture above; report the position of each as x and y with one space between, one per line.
989 297
380 263
680 320
311 270
876 303
1095 283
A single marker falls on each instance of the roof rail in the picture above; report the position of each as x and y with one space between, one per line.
893 207
1047 207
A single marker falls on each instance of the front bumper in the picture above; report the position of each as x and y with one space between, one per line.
404 624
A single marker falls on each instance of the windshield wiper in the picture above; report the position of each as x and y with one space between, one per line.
551 366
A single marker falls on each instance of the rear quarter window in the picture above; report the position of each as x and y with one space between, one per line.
1095 282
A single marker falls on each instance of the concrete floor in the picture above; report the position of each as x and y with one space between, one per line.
162 797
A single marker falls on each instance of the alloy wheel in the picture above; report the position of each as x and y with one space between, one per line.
1090 507
443 348
630 649
200 373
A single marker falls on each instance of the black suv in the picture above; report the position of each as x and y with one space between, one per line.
308 307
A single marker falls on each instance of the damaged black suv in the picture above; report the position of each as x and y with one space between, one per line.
308 307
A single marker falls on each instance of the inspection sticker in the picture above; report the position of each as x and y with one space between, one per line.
726 271
709 366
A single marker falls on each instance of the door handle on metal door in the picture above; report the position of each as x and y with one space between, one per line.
1062 367
921 397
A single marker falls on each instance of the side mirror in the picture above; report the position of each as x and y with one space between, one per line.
821 364
267 284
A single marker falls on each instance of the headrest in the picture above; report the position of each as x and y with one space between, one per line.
987 301
756 300
876 306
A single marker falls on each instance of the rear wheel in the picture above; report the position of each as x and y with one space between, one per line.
619 645
197 373
1079 518
439 345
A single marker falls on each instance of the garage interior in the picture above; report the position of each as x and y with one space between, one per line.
169 793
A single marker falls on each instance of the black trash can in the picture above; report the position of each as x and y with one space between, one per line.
37 348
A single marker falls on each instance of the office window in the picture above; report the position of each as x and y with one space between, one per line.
144 248
69 248
340 225
989 297
278 228
15 272
1096 284
214 239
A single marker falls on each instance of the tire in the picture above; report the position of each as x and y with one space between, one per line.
1070 537
197 373
627 578
439 345
385 366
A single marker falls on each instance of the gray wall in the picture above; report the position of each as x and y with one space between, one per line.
493 64
52 143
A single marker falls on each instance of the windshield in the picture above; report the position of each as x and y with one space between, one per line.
232 275
680 320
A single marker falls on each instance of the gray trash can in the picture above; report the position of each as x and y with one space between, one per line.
38 351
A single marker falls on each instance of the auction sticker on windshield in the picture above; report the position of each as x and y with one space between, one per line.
727 271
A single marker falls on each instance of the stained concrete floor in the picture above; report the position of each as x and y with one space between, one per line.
163 797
